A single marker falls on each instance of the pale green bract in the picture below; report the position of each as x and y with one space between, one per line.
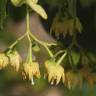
37 8
34 1
18 2
33 4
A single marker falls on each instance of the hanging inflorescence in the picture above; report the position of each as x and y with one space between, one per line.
69 74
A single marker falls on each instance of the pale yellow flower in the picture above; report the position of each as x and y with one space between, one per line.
55 72
15 59
31 69
3 60
66 26
73 79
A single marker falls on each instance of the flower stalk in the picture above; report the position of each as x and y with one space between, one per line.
17 41
29 58
29 34
61 58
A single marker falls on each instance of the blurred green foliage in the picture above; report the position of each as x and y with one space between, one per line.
3 4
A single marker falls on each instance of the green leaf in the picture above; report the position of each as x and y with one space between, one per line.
38 9
75 57
2 12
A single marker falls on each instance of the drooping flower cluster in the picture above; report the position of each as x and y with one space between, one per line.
73 80
68 25
12 58
54 72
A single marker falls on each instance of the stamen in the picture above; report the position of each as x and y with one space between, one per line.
32 81
52 82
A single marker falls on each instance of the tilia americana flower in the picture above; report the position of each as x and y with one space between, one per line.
31 69
73 79
54 72
3 61
66 26
15 59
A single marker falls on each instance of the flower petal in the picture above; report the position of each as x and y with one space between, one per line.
58 77
50 77
63 77
3 60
